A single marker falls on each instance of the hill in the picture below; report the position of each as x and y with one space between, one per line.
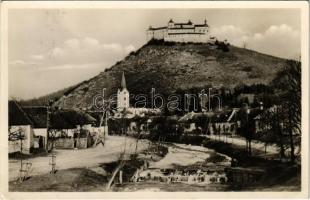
168 67
45 100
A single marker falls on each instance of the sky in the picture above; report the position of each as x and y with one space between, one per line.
50 49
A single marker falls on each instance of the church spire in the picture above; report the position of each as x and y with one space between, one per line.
123 84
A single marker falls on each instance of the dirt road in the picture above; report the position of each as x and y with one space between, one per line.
71 158
271 150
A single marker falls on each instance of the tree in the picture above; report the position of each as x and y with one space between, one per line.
288 87
139 122
246 127
203 122
268 130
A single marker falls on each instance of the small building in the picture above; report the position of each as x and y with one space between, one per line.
71 129
197 123
188 122
39 117
225 122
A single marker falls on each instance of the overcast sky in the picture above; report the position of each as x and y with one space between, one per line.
53 49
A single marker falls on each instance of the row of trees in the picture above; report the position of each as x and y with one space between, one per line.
281 124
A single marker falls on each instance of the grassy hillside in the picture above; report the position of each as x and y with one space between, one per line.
168 67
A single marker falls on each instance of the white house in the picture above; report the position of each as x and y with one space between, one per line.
39 117
20 132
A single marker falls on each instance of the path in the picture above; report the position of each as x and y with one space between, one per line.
257 146
70 158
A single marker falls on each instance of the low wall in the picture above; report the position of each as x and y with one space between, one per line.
81 143
71 143
15 146
65 143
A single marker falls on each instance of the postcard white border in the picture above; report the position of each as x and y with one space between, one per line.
6 6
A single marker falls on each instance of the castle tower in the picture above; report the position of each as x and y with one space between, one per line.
122 95
170 23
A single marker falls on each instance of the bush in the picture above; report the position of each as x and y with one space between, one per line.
160 42
216 158
222 46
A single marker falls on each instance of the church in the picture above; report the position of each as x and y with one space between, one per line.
124 105
180 32
122 96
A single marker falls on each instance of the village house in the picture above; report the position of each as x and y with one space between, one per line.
34 127
21 132
224 122
71 129
39 117
189 123
139 124
101 123
260 124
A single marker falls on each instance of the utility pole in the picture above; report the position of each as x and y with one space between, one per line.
21 177
53 154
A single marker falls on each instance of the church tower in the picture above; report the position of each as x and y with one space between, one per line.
122 95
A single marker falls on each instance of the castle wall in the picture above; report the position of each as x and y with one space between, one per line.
186 38
156 34
180 33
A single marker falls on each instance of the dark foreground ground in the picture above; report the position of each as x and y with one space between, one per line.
279 175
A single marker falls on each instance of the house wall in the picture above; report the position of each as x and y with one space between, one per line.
41 132
27 143
70 143
64 143
103 130
88 127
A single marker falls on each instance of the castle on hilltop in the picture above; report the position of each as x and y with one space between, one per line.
180 32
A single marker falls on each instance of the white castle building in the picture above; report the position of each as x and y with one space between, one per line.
180 32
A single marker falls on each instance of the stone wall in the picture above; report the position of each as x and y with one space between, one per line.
64 143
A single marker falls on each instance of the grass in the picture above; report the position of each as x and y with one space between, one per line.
163 66
34 153
69 180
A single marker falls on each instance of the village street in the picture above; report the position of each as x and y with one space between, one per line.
80 158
